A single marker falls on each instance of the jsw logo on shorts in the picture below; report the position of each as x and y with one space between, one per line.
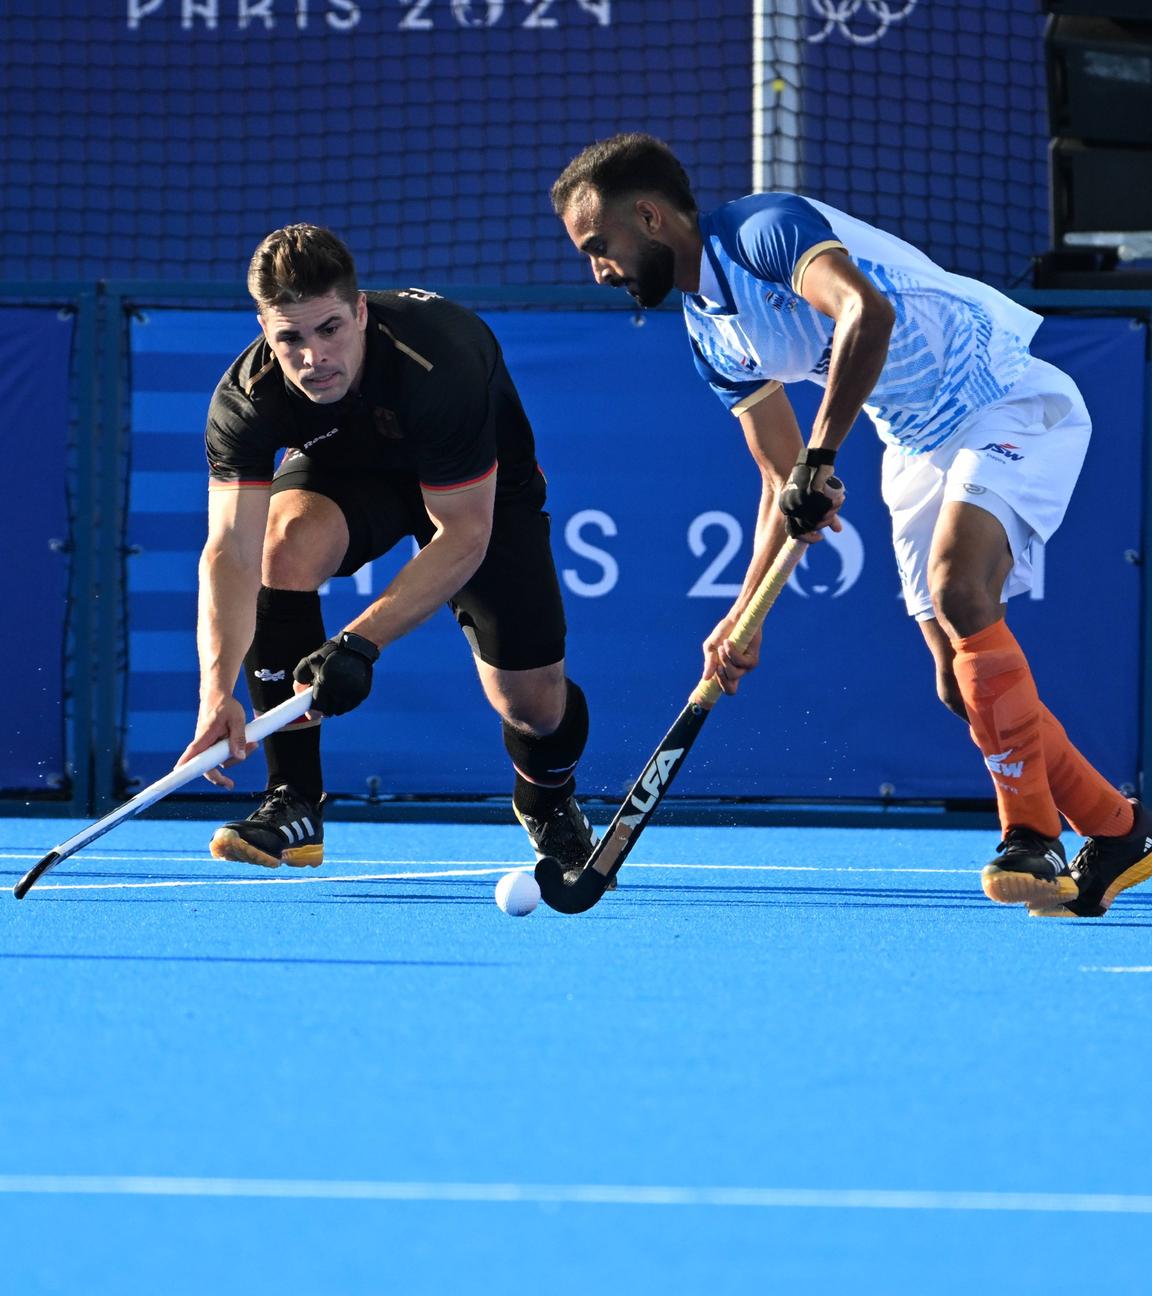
1004 450
1000 764
652 780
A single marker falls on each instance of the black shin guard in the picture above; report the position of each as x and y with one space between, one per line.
288 627
546 766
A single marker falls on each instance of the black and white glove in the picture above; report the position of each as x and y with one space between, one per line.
804 508
340 672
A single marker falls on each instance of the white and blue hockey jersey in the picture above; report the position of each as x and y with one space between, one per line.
956 346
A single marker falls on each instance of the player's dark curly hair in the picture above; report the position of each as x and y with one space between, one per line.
301 261
623 165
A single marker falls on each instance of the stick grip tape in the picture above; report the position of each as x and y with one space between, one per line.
708 691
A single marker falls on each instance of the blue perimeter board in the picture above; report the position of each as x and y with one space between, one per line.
653 498
807 1061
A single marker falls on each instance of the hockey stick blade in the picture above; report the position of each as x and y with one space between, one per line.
578 897
639 806
37 871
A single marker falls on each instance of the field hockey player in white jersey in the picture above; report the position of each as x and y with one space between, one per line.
778 288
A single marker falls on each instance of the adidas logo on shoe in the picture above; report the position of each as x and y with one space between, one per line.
1031 869
1103 868
286 828
297 831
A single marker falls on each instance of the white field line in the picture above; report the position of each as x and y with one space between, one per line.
408 870
160 857
279 879
580 1194
1116 969
164 857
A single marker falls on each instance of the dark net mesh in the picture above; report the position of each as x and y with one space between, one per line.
928 119
162 139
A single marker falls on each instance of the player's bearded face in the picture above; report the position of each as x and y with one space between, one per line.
655 274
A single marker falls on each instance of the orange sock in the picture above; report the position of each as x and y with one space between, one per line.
1006 717
1092 806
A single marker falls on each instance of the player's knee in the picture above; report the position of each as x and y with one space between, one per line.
297 555
536 714
532 722
555 733
961 604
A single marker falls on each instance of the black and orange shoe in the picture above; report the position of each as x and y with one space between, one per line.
1103 867
1031 870
286 828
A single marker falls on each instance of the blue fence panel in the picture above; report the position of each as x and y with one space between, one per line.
653 499
36 345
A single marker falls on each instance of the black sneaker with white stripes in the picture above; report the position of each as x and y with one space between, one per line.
1104 867
565 835
285 829
1030 869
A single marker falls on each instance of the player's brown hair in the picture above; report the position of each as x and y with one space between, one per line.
624 165
298 262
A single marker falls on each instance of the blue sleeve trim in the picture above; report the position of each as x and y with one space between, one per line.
730 393
768 234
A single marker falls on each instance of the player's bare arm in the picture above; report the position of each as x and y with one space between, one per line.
864 319
463 521
340 670
774 440
229 583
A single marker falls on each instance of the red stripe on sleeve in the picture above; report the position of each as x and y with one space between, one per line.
462 485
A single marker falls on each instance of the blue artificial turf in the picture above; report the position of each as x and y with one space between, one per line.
844 1011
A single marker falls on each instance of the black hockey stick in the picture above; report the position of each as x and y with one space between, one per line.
650 788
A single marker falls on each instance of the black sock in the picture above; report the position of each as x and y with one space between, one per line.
545 766
288 627
536 801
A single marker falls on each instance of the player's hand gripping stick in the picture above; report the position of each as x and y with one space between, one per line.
217 754
806 507
651 787
340 672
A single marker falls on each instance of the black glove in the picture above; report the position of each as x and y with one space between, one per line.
803 507
340 672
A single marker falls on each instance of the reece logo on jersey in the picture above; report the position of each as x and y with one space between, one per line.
322 437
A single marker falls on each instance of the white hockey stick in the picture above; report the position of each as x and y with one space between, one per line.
257 729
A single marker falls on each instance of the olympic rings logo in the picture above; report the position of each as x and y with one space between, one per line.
837 15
